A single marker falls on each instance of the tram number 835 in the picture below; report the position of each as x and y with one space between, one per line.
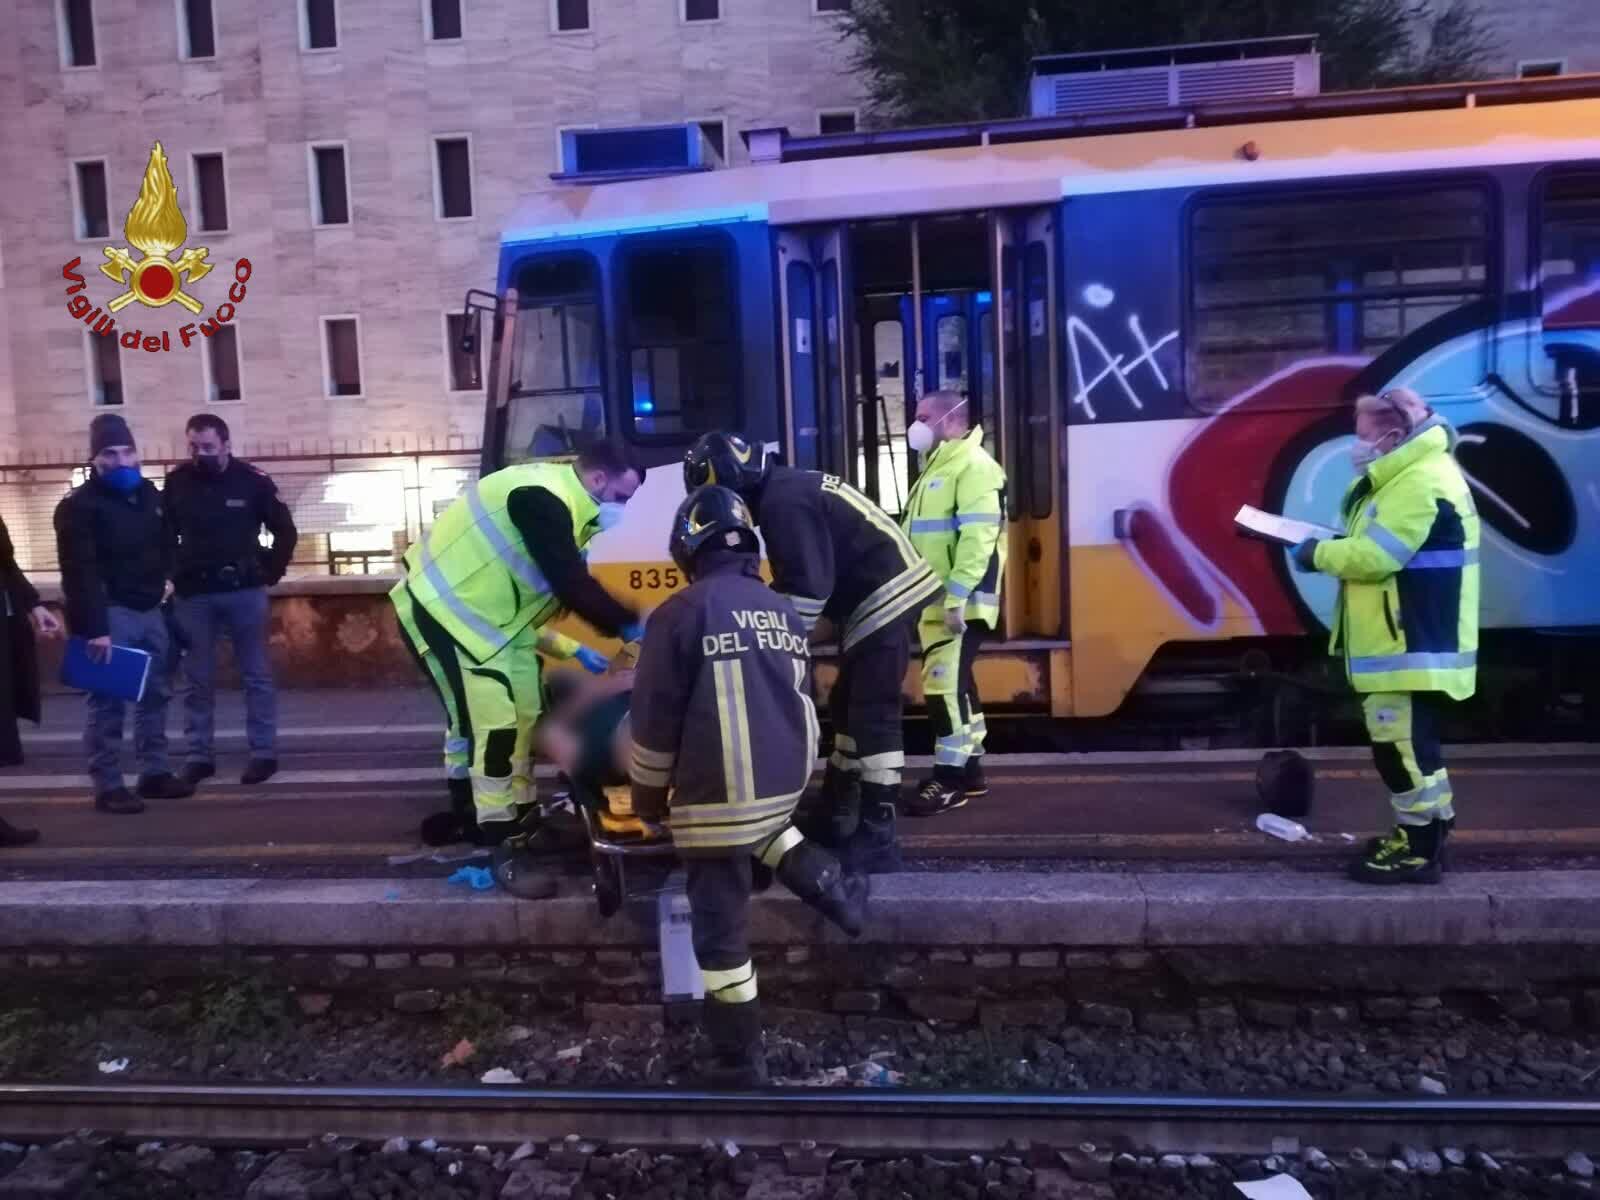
654 577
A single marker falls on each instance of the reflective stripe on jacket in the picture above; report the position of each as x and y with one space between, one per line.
956 520
1407 614
472 570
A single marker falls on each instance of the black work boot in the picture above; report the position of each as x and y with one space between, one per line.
1410 854
817 878
1374 844
734 1031
944 792
11 836
259 770
165 786
194 772
459 824
119 800
842 791
873 849
972 781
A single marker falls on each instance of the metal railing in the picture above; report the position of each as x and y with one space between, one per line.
357 508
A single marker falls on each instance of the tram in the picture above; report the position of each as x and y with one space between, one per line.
1157 316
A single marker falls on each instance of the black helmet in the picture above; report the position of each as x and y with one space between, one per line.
727 460
711 516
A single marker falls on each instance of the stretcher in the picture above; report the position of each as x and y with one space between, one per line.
629 858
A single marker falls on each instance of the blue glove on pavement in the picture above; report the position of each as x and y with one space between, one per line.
632 632
1305 555
592 661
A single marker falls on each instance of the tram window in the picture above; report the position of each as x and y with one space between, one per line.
1569 234
678 322
1347 272
556 406
952 334
1566 367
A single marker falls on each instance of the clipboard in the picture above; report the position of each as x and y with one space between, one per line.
124 675
1282 531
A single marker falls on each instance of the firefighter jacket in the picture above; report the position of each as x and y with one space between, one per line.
956 518
473 571
834 553
721 713
1407 613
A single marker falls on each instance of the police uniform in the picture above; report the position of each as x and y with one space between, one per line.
956 520
222 579
721 713
496 567
1406 625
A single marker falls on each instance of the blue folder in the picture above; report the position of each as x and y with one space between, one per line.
123 676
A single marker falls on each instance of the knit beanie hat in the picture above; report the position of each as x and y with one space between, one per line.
108 429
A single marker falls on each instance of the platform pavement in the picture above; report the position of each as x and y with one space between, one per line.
1122 909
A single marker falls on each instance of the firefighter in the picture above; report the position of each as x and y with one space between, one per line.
499 565
955 517
836 554
1406 619
721 713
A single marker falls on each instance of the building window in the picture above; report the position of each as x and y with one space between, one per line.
197 30
222 366
319 24
77 33
557 405
702 10
841 120
1541 68
89 182
1345 271
452 177
211 186
330 187
830 6
444 20
466 368
570 16
716 131
105 369
678 322
341 356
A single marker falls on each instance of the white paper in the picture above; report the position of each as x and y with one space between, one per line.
1285 530
1279 1187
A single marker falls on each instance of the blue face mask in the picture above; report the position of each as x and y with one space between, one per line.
122 479
610 514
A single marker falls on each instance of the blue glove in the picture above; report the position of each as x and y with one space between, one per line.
1305 555
633 631
592 661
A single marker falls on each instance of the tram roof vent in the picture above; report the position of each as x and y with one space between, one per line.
1161 77
633 152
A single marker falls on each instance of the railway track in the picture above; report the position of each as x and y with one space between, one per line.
801 1122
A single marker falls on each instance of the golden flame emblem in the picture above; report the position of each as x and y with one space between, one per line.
155 227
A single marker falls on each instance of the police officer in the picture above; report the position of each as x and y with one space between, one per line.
217 505
1406 619
116 568
500 564
836 554
721 712
956 520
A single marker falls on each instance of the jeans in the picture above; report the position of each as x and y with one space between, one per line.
102 735
242 615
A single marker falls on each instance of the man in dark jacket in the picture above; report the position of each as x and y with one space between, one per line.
217 506
836 554
116 567
721 713
24 617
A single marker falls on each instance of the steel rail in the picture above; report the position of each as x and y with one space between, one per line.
864 1120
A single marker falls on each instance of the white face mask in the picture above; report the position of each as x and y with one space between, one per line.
920 435
610 514
1363 453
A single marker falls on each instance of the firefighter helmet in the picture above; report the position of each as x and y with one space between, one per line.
711 516
727 460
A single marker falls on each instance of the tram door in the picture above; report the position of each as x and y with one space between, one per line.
818 355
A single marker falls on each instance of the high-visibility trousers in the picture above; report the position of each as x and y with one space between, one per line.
490 709
959 728
1404 729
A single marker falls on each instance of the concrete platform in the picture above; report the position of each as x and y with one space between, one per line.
1131 910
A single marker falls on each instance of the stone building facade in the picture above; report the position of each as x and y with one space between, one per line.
88 85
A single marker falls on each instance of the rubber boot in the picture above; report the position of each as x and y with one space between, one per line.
734 1031
843 791
817 878
873 849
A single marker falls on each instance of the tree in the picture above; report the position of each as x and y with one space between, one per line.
936 61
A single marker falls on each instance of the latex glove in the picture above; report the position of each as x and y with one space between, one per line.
1305 556
955 620
45 623
592 661
632 632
